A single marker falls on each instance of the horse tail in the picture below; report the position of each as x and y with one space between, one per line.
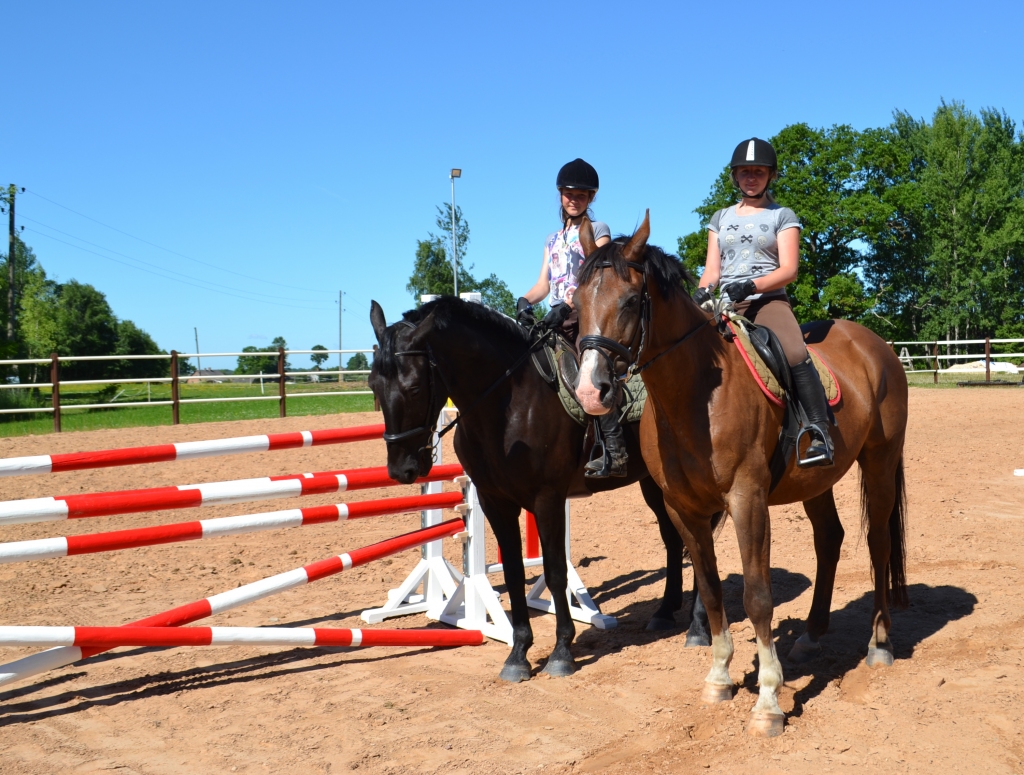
898 543
897 570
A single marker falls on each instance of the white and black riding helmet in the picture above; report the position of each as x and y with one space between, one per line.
755 152
577 174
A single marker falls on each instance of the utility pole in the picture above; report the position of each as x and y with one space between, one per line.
12 244
455 173
341 309
199 363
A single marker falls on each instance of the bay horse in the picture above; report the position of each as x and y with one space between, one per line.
518 445
708 434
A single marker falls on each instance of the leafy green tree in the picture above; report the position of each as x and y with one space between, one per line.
132 340
267 364
85 326
318 357
357 362
432 269
185 368
26 268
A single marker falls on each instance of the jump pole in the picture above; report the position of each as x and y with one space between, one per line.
225 601
66 546
114 637
434 580
469 601
102 504
188 450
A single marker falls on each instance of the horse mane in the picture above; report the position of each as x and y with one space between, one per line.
665 269
453 316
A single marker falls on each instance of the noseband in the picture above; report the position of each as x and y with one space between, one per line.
600 344
426 427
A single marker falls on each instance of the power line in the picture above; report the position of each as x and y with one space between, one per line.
155 266
176 253
166 277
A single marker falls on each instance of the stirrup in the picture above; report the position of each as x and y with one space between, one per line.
601 465
817 458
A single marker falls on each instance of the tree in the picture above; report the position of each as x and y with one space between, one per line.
132 340
267 364
318 357
432 269
26 269
357 362
185 368
85 326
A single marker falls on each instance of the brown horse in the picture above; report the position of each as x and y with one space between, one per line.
707 436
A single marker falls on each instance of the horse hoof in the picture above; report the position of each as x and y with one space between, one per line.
515 673
559 668
879 656
804 650
697 639
766 725
715 693
658 624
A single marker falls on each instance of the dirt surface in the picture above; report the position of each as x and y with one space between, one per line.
953 701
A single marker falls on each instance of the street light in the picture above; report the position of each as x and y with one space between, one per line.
456 173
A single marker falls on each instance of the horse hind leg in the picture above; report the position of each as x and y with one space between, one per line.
672 600
883 503
828 540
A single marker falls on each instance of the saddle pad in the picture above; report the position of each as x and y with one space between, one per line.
635 394
766 380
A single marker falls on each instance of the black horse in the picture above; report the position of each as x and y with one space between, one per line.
517 444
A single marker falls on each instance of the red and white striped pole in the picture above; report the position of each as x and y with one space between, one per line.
102 504
188 450
114 637
225 601
66 546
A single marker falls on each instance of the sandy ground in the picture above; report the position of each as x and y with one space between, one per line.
953 701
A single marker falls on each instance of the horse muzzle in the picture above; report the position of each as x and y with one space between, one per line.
597 388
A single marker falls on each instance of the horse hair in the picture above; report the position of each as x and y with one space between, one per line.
452 313
667 270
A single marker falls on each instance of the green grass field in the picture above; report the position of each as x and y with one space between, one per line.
125 417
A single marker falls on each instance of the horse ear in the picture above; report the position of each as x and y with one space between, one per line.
377 321
635 247
587 241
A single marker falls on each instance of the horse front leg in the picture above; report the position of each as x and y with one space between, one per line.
503 518
828 540
753 530
550 516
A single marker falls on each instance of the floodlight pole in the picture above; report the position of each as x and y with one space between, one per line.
455 173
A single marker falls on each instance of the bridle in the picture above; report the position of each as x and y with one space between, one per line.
427 426
600 344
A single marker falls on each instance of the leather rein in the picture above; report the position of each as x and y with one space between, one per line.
605 346
426 426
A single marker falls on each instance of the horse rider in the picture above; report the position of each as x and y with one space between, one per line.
577 185
753 253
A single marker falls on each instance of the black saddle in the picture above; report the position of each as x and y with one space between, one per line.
770 349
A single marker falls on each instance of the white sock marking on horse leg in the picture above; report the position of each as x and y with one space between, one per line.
721 656
878 633
769 676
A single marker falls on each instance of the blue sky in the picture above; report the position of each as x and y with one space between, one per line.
253 159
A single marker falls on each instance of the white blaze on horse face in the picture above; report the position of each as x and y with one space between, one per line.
769 676
588 394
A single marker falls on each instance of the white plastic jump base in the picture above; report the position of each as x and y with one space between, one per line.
467 600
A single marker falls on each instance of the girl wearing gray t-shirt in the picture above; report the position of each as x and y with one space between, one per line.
753 254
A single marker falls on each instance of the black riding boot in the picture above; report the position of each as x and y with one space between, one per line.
609 456
811 395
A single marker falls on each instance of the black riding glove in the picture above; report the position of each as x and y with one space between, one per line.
524 312
702 296
739 291
556 316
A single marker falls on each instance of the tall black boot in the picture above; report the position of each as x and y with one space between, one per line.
811 396
609 456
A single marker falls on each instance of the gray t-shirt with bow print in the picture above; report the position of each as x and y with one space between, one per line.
749 244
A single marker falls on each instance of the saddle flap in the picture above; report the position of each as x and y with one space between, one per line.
769 348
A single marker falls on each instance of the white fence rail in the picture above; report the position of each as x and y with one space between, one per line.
911 354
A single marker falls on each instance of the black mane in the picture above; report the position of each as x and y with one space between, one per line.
665 269
453 316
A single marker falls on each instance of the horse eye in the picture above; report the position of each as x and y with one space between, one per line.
632 301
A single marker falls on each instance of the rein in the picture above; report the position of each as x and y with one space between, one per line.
601 343
429 354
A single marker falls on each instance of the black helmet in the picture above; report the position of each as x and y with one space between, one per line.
578 174
754 153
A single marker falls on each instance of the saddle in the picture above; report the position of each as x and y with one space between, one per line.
558 363
764 356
